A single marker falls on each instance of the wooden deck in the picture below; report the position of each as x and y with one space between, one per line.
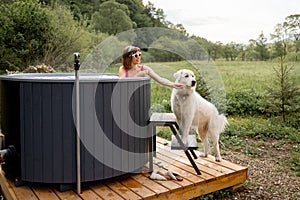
215 176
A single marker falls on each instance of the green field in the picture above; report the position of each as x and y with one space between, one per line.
235 74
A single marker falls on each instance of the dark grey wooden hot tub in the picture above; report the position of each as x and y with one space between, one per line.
37 118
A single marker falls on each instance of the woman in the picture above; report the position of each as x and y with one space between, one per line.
131 59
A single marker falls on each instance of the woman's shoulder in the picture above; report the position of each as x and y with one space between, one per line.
122 72
121 67
144 67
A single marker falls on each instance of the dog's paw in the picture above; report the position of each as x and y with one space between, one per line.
218 159
203 155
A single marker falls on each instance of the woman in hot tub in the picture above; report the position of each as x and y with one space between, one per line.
131 59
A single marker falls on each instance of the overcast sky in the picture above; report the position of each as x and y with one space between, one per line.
228 20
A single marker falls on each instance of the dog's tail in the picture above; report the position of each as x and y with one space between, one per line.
223 123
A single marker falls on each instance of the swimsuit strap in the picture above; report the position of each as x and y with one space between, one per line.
126 70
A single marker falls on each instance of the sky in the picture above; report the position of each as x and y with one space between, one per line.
228 20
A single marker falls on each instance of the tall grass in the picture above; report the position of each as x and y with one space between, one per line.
236 75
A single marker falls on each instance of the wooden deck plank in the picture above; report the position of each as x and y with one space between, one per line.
67 195
105 192
214 165
184 165
227 181
25 193
184 174
137 188
187 173
123 191
223 166
170 185
161 140
6 186
43 192
203 168
146 181
89 194
22 193
225 163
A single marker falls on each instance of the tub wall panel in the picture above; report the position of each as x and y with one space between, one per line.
46 132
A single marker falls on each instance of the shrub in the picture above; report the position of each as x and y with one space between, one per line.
202 88
257 127
23 28
295 163
31 33
160 98
284 93
245 102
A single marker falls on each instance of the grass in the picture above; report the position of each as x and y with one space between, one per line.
233 75
245 75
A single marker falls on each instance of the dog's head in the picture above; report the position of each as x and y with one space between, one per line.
186 77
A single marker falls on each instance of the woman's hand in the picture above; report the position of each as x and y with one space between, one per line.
178 86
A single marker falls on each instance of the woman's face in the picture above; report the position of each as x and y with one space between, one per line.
136 57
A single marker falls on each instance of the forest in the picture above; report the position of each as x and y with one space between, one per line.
50 31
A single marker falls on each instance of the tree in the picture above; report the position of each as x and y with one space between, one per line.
207 45
157 15
31 34
65 36
216 50
231 51
250 50
180 28
112 18
284 93
280 41
137 12
292 24
261 47
23 28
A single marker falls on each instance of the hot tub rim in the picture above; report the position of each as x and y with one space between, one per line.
69 77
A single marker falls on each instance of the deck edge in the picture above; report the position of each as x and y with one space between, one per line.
8 192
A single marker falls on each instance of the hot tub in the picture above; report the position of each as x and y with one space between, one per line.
37 118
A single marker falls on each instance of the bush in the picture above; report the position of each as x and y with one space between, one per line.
257 127
23 28
295 163
202 88
245 102
31 33
160 98
283 93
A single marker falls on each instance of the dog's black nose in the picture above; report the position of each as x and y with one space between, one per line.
193 83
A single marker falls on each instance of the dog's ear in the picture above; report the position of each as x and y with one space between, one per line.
177 74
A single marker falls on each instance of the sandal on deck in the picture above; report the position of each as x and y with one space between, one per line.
178 177
155 175
169 175
174 176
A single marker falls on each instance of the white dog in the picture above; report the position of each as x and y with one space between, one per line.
193 111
